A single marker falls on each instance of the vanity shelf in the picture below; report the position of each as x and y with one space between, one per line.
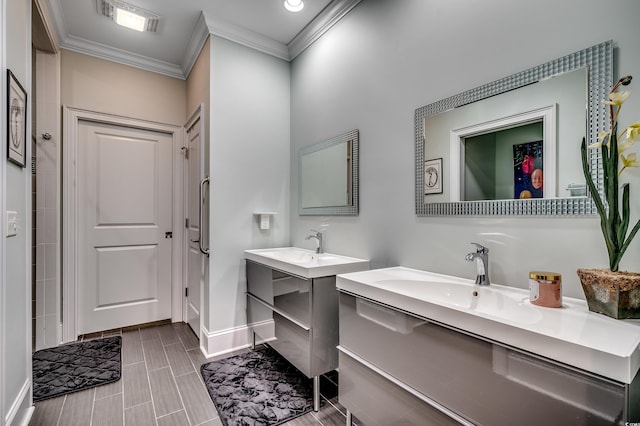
421 366
294 314
304 313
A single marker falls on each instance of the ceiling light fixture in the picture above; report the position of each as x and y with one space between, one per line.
130 20
293 5
128 15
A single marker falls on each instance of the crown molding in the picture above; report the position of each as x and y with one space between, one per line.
50 21
336 10
52 13
197 40
110 53
333 13
247 38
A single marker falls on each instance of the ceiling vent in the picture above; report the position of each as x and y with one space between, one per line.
128 15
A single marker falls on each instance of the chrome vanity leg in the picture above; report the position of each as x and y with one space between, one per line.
316 393
253 340
349 419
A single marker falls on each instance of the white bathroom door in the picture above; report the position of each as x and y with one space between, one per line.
195 259
124 187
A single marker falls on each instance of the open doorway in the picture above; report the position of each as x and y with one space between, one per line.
45 163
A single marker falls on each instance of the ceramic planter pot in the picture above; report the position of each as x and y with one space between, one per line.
615 294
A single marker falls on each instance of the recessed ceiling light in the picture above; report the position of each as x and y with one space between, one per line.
128 15
130 19
293 5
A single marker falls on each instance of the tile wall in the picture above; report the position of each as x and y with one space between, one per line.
47 221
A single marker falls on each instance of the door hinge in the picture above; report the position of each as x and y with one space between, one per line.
185 150
186 292
168 234
186 222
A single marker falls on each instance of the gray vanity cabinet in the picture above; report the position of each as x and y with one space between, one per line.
397 368
303 313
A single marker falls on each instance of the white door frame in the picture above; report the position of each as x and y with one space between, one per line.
198 114
71 119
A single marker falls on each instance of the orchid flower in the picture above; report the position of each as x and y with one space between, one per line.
613 203
632 133
617 98
630 160
602 136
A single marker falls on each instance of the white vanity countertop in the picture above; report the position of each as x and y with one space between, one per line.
306 263
571 335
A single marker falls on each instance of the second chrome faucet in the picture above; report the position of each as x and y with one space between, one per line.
481 258
318 237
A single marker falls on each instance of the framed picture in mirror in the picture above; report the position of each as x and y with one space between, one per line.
433 176
528 170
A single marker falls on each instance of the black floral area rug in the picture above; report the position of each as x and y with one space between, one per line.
75 367
257 388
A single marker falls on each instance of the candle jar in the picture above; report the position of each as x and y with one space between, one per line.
545 289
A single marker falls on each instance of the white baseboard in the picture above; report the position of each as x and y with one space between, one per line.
21 410
225 341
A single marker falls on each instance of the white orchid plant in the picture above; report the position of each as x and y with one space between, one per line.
615 149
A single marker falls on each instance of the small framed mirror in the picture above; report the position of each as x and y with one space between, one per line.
328 176
512 147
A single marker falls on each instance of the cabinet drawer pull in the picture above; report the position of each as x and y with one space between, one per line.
279 312
390 319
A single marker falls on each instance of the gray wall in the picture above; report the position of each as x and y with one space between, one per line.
249 168
387 58
15 262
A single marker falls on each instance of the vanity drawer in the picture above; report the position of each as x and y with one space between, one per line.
260 319
293 342
474 378
292 295
375 400
259 281
288 293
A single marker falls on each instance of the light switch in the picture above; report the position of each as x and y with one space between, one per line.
12 223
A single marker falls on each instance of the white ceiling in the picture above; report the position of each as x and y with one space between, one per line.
264 25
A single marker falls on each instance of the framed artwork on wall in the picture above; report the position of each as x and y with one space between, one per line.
433 176
16 120
528 170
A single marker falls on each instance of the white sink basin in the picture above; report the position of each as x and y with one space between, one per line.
306 263
485 300
571 334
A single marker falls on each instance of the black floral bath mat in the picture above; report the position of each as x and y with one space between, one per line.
75 367
257 388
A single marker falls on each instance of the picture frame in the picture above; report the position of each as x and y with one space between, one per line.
16 121
528 170
433 176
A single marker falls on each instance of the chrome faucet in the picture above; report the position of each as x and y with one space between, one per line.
481 257
318 237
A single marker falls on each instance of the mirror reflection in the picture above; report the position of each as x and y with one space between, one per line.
511 147
324 176
493 147
506 163
328 183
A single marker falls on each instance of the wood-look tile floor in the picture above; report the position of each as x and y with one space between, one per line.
160 385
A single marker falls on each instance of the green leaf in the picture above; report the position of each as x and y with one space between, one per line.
632 234
626 216
602 211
